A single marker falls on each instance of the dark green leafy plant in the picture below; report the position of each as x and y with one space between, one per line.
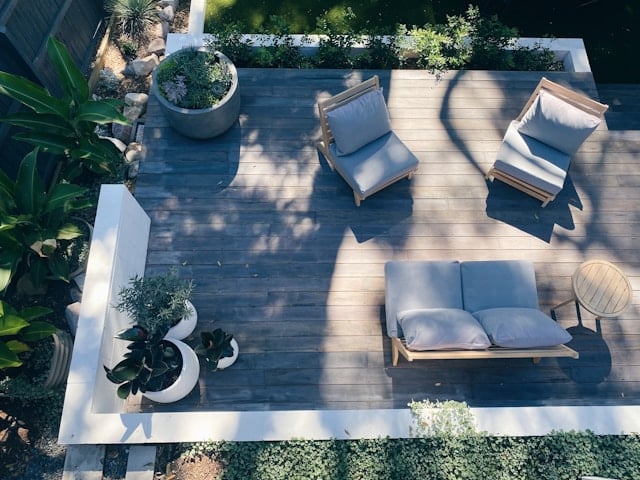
282 52
19 330
35 225
133 16
65 126
228 38
214 346
335 48
156 303
151 364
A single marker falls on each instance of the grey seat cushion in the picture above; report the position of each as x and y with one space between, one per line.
498 284
532 161
557 123
521 328
359 122
376 164
411 285
442 329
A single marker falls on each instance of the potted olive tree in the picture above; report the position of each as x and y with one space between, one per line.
160 304
197 89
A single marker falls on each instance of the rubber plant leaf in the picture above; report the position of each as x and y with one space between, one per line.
32 313
31 95
101 112
61 195
16 346
37 330
58 267
69 231
11 325
7 202
8 359
69 75
30 190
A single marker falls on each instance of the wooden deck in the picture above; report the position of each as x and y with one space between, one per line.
284 260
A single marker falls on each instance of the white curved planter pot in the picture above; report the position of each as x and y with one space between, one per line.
228 361
205 122
186 325
186 380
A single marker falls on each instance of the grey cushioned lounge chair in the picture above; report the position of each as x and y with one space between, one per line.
358 142
536 150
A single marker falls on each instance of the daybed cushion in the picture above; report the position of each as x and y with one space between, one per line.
498 283
376 164
359 122
558 123
411 285
521 328
532 161
442 329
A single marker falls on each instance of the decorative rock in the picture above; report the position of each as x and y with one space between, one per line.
133 112
120 145
157 46
136 99
141 67
161 29
167 14
79 281
167 3
134 168
122 132
72 314
76 294
132 156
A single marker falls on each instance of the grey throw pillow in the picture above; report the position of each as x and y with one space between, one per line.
359 122
521 328
557 123
442 329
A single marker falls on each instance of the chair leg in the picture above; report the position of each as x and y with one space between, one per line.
356 197
395 354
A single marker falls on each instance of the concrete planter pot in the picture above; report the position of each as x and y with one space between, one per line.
185 382
228 361
205 122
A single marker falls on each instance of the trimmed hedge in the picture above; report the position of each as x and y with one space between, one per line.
562 455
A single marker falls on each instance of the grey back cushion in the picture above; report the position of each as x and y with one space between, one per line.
558 123
411 285
498 283
442 329
359 122
521 328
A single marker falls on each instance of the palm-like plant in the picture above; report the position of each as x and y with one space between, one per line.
133 16
65 126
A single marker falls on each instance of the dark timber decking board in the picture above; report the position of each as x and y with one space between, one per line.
283 259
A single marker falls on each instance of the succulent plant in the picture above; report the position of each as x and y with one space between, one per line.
214 346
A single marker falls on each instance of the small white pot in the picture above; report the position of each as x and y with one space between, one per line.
186 325
228 361
185 382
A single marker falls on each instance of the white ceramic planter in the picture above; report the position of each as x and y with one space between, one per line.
185 326
228 361
186 380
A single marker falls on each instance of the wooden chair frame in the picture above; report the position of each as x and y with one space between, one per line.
399 347
576 99
334 102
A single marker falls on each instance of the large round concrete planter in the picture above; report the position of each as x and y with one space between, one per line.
206 122
186 380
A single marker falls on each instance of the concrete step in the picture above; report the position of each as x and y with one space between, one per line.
86 462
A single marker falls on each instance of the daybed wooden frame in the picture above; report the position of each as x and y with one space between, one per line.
398 347
334 102
576 99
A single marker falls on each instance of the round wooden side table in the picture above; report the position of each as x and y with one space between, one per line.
600 288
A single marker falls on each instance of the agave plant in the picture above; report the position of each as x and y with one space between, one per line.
34 224
65 126
151 364
18 330
133 16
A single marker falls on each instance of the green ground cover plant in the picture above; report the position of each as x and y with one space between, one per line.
610 29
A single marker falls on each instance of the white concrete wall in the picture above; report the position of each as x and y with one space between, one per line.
118 251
